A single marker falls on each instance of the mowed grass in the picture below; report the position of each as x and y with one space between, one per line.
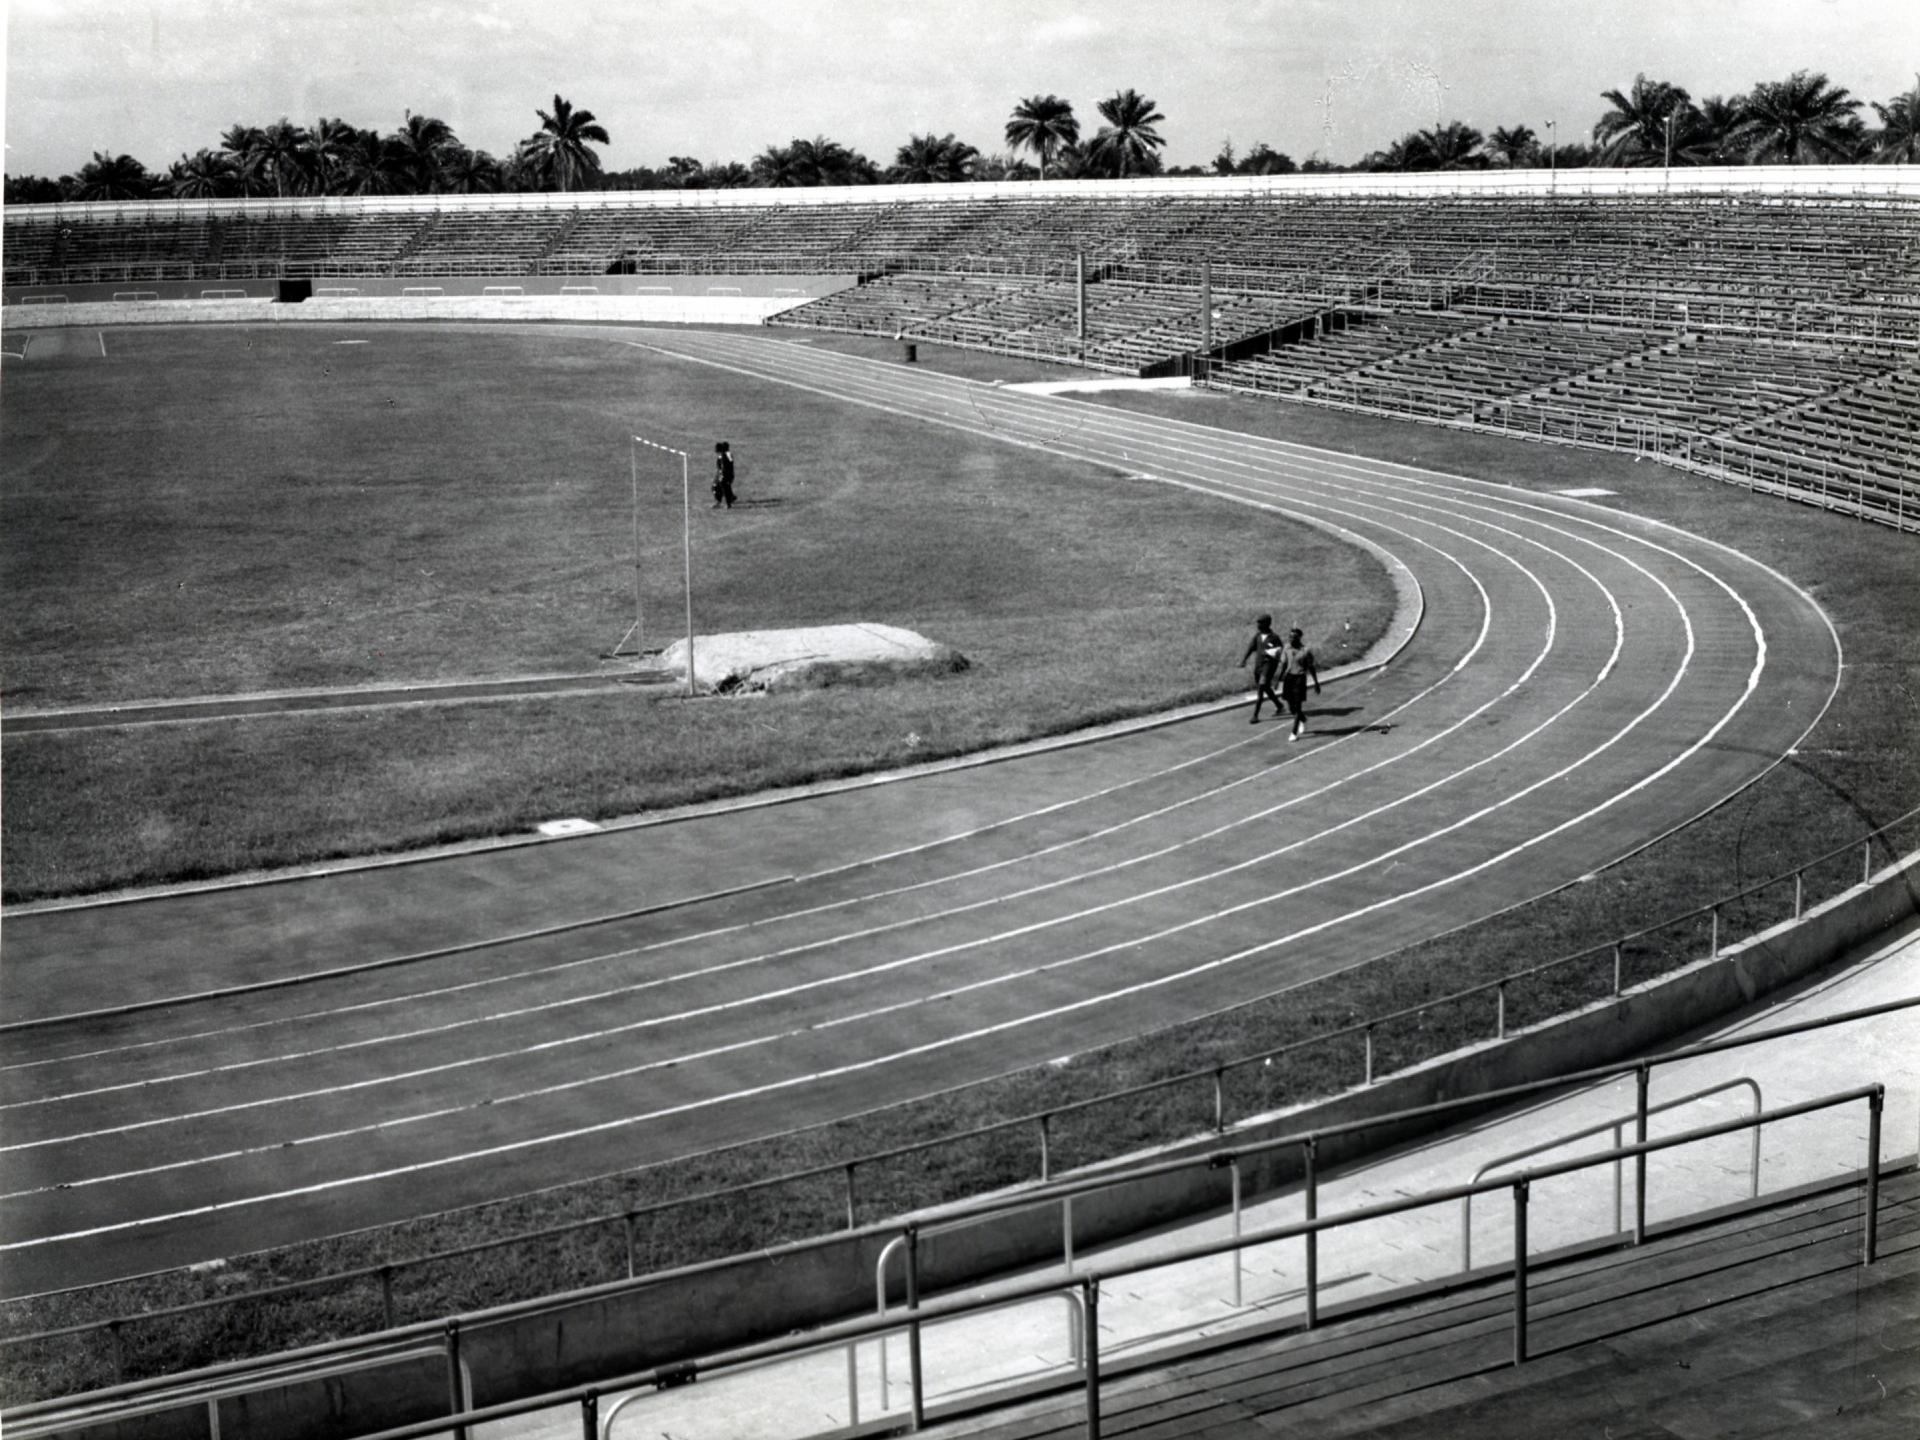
1860 767
211 511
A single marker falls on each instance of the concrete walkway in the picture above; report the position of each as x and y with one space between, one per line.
1181 1304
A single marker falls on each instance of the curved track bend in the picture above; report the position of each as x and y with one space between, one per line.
1582 681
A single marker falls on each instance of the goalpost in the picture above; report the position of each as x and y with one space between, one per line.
635 631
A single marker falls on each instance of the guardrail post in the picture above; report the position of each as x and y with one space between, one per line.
1237 1254
1309 1153
456 1396
1643 1079
1369 1075
629 1222
1219 1099
1871 1246
1046 1148
590 1415
1090 1299
1713 934
1866 860
1520 1271
1500 1011
1799 892
1618 957
915 1379
386 1296
851 1225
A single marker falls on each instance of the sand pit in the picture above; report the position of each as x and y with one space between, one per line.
811 656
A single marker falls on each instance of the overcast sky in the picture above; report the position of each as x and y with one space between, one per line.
722 79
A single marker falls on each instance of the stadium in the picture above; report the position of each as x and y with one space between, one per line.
436 1002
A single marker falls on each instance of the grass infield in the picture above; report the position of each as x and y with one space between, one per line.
1859 768
214 510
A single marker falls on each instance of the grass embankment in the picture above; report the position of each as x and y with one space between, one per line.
216 511
1860 767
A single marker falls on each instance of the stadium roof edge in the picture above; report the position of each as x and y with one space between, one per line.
1803 182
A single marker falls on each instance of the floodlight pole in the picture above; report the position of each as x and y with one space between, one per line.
639 633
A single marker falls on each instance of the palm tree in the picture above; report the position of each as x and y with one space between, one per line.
204 175
1003 167
1515 147
775 168
422 145
1635 131
369 165
284 156
730 176
1406 153
1798 120
1043 124
1897 141
818 161
328 140
468 172
1712 121
1452 146
242 143
557 152
1128 142
933 160
112 177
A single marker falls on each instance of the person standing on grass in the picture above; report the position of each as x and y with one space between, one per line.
722 475
1296 668
1264 650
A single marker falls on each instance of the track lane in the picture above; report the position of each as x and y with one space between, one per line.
1031 1000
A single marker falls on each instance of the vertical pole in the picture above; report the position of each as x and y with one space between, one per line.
1500 1011
1066 1232
852 1224
1219 1099
456 1393
1619 1183
1713 936
686 552
1206 306
117 1344
1236 1232
386 1297
1871 1245
1866 861
1617 959
639 633
590 1415
1643 1079
1046 1148
1799 892
1090 1298
1080 297
1520 1271
918 1396
1369 1074
1309 1150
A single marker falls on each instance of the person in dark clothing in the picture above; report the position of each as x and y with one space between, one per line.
1296 668
1264 651
722 475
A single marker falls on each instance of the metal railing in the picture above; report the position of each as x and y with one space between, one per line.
1217 1083
1616 1127
1060 1193
1088 1283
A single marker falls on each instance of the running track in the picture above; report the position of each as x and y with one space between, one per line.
379 1044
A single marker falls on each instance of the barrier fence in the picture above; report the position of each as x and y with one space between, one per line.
1033 1147
1079 1286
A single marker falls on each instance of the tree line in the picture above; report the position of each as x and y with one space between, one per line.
1799 120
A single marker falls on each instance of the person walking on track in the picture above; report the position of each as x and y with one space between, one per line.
1296 668
1264 650
722 475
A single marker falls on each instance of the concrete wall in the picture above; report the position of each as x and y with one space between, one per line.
631 1325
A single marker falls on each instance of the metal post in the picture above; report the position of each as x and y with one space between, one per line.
1046 1148
639 633
1799 892
686 552
1713 935
456 1396
1643 1080
1871 1246
590 1415
1309 1152
915 1378
1219 1099
1234 1165
386 1296
1866 861
1090 1300
1206 306
1617 959
1369 1074
1066 1232
852 1224
1520 1271
1500 1011
1080 297
630 1223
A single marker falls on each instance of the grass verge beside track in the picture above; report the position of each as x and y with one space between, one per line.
1859 768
